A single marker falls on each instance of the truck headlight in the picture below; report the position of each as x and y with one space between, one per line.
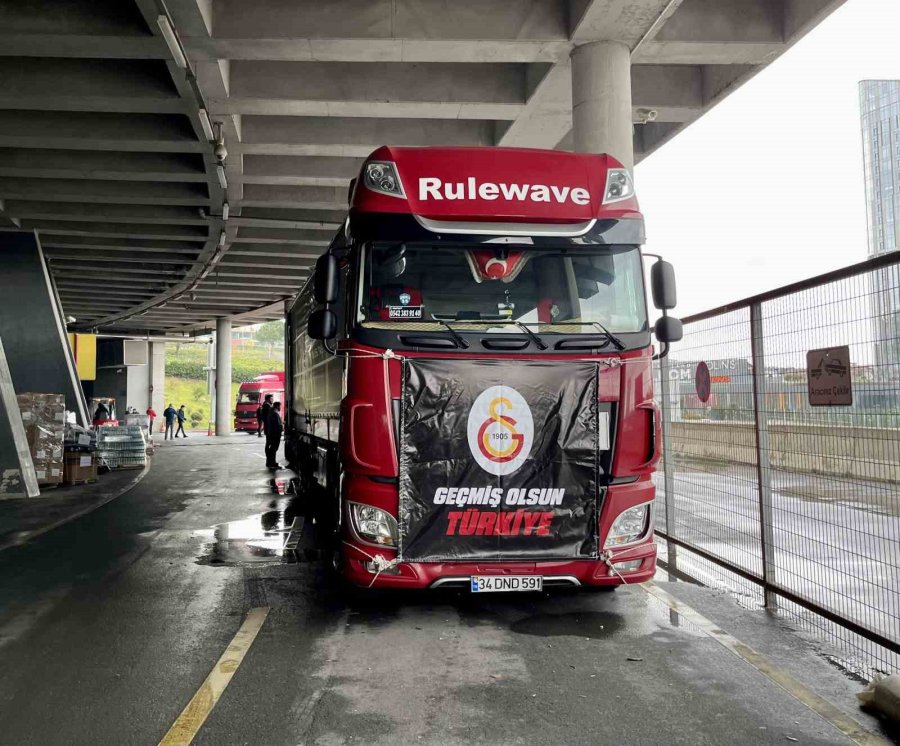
381 176
631 525
374 524
618 185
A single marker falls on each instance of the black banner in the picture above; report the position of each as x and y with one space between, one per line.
498 460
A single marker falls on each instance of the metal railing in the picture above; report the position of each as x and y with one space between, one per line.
780 476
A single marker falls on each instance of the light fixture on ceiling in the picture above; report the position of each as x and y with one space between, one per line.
168 33
207 125
222 238
225 211
220 151
223 181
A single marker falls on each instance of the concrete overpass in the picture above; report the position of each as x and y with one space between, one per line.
110 112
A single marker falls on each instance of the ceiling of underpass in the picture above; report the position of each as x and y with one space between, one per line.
103 149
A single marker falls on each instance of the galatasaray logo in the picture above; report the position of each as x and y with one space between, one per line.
500 430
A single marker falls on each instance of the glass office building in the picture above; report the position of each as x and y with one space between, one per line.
879 102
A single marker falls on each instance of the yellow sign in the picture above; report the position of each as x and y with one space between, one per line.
84 349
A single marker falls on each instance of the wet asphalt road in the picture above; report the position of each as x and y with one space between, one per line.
110 624
835 539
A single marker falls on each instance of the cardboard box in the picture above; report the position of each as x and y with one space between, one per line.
79 467
44 417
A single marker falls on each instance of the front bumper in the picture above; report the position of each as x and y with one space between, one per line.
358 569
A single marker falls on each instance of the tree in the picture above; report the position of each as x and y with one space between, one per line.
270 333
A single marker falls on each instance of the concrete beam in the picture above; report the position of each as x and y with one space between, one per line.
81 164
137 215
398 90
724 21
354 137
391 19
96 190
299 170
93 243
75 46
54 226
134 257
627 21
713 53
370 51
53 84
310 198
96 18
267 217
306 237
98 131
144 271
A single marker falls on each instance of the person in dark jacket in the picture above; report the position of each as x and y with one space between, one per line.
262 415
170 414
274 428
182 416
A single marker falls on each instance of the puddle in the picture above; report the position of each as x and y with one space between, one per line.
648 617
592 624
267 537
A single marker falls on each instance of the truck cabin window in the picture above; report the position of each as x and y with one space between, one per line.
248 397
563 290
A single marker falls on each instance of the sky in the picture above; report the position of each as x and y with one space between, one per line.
767 187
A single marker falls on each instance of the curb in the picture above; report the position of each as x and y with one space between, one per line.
27 536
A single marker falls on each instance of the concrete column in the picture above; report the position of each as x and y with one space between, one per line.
138 391
601 100
224 404
158 380
32 326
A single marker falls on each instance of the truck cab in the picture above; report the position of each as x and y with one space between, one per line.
251 395
470 393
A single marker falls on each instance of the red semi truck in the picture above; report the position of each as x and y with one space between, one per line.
470 393
251 394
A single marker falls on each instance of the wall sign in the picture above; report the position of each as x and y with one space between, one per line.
828 377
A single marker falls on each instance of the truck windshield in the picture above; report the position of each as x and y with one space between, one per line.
488 286
248 397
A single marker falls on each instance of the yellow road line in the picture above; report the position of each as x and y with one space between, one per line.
822 707
194 715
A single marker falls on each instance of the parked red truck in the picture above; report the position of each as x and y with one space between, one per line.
470 393
251 394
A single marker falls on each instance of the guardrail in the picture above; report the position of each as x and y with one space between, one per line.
780 475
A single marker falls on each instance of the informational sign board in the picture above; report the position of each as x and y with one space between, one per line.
702 382
828 376
499 461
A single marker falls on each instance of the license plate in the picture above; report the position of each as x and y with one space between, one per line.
495 583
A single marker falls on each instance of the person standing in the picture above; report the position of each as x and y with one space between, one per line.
170 414
182 416
274 428
151 418
262 415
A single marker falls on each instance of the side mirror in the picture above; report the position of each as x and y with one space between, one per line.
662 284
669 329
322 324
326 279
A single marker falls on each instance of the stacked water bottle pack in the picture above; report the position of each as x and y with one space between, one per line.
122 447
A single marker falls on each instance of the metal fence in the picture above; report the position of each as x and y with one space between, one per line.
780 477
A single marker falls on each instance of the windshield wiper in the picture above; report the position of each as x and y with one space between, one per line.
617 343
534 337
453 333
